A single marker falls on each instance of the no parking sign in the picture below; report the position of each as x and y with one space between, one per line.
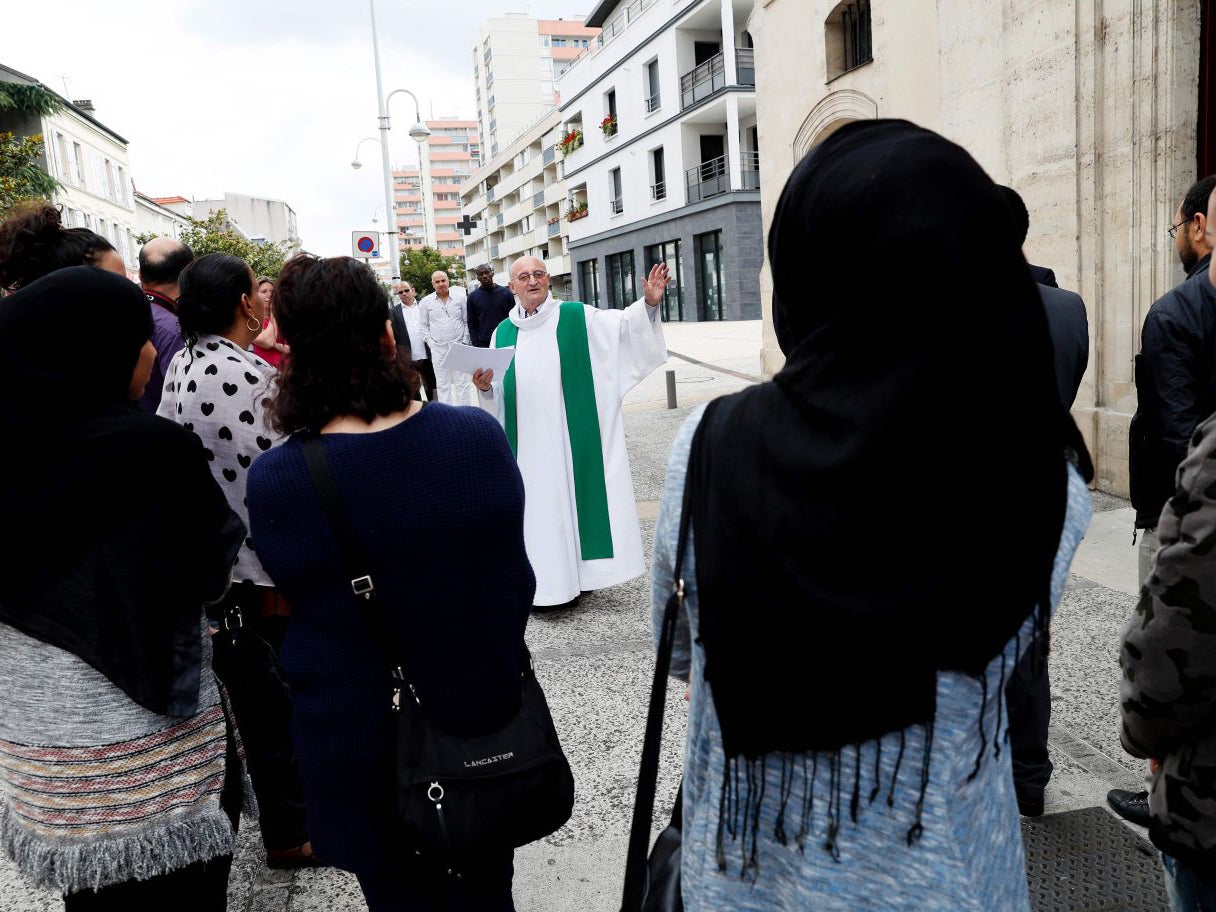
365 244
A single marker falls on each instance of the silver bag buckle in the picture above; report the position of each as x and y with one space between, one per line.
362 586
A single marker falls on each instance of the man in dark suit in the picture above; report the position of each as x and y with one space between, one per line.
1028 694
1068 326
407 330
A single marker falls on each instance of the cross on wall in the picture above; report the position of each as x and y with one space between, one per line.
467 225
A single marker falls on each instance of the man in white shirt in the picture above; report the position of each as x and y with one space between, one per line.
560 405
407 328
444 323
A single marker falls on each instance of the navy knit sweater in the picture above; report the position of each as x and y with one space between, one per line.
439 505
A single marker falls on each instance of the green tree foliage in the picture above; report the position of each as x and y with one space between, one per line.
21 175
216 235
417 267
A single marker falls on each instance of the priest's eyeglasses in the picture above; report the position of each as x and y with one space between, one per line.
1173 229
536 274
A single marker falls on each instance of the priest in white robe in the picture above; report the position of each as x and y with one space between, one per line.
560 405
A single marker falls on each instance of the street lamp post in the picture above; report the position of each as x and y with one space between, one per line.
418 132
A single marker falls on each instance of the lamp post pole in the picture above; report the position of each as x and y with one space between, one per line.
390 211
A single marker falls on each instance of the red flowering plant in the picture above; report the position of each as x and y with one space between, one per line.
608 125
570 142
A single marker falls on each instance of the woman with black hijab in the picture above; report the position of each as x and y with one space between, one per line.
118 780
852 610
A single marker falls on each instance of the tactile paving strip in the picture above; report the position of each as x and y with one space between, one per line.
1087 861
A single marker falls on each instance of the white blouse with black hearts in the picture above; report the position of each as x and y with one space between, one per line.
220 392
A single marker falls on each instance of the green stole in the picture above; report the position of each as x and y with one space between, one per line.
582 422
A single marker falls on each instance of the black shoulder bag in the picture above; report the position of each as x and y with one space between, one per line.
653 884
456 795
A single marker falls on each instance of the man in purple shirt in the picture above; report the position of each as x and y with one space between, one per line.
161 262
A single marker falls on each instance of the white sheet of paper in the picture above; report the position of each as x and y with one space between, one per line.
468 358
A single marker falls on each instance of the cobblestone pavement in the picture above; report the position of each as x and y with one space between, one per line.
595 663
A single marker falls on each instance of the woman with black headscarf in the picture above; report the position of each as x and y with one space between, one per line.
853 609
118 784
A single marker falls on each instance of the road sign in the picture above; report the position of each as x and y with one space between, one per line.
365 244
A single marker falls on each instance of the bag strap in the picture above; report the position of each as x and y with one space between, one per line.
361 582
648 772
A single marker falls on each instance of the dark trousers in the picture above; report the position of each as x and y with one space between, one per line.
1028 697
427 370
261 701
199 887
484 885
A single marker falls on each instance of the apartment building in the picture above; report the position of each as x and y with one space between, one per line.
158 216
660 157
90 162
261 220
448 157
518 200
517 61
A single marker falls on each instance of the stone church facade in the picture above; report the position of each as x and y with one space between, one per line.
1099 112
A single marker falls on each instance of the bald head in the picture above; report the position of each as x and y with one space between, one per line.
530 282
440 282
161 262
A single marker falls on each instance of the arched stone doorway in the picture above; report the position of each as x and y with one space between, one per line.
833 112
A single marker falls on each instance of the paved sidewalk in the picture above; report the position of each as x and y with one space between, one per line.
596 662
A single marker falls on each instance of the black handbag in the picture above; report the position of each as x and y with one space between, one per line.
653 884
457 795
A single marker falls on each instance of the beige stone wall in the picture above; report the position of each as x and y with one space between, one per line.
1088 108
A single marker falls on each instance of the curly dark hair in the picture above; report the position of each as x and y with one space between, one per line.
33 243
332 313
211 289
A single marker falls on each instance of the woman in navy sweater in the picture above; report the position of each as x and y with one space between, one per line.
438 502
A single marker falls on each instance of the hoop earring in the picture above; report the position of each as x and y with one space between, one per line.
257 324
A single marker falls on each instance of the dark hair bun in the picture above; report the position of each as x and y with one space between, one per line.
33 242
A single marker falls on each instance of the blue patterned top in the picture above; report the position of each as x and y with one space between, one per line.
970 857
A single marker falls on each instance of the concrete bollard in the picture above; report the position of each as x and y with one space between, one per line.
671 389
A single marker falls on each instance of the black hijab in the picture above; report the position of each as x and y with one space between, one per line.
116 530
847 547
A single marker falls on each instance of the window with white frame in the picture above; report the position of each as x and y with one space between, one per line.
658 175
653 97
609 124
615 191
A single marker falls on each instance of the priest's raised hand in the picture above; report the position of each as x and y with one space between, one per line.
656 284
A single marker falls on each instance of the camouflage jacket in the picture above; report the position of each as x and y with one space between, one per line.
1168 695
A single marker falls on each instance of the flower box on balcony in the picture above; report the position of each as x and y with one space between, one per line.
570 142
608 126
577 212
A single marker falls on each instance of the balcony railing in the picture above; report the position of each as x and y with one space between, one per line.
554 227
751 170
490 194
653 103
703 80
710 178
658 191
498 220
745 66
493 251
549 154
618 206
538 199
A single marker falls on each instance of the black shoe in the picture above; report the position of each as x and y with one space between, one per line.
1131 806
564 606
1030 805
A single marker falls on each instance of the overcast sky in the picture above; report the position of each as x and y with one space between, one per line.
265 97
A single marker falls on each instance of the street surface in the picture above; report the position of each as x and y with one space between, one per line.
596 661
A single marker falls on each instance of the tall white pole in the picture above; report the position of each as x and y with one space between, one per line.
390 211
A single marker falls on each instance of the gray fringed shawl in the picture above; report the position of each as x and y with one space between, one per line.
96 790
